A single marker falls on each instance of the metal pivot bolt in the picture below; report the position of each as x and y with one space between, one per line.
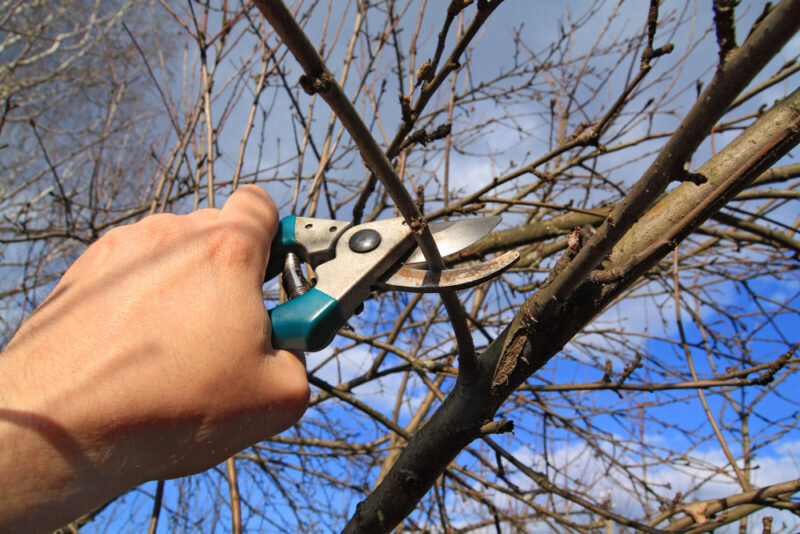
294 283
365 240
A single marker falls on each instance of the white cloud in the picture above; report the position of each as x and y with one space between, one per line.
470 174
700 474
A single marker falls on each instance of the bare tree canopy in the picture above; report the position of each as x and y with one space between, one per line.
634 371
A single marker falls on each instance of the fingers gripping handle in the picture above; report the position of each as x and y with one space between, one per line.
307 323
285 241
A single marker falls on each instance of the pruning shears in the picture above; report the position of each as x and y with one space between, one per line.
351 260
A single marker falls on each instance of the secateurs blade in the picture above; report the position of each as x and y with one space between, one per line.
350 260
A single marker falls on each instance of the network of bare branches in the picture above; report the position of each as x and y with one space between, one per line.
633 371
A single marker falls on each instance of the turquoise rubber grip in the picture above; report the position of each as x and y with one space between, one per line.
283 243
307 323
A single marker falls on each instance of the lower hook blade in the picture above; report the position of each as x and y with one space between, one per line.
424 281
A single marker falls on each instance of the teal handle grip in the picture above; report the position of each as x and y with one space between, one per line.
307 323
283 243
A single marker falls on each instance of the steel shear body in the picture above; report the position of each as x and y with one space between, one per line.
350 260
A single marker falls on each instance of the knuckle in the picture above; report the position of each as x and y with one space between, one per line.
231 244
263 202
295 401
122 243
110 245
161 229
300 394
297 390
112 239
289 387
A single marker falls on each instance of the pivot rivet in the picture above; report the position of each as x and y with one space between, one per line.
365 240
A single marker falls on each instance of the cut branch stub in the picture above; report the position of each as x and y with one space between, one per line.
313 85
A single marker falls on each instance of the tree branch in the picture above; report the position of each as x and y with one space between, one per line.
714 506
729 80
319 79
544 325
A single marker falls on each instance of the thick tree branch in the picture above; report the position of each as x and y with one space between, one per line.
544 325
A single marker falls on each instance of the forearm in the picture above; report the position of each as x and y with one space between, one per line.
52 469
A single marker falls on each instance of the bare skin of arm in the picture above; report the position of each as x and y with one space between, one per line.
151 359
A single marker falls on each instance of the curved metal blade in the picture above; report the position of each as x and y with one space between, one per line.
452 236
423 281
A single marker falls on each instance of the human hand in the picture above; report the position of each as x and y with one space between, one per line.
151 359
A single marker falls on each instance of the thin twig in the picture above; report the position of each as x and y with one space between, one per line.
690 362
545 484
156 507
412 114
62 194
236 502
